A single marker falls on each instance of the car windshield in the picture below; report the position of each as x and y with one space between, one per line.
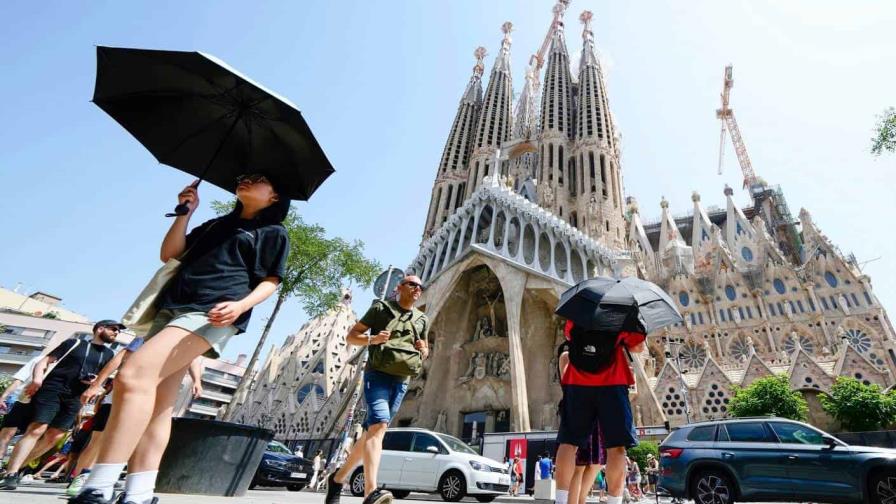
278 447
456 444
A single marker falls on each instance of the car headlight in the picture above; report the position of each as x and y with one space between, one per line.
279 464
479 466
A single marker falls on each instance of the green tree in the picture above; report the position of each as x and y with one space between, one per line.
884 132
639 453
316 270
770 395
859 407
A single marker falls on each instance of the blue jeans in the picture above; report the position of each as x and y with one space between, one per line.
383 394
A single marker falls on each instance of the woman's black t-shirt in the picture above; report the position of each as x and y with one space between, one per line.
227 258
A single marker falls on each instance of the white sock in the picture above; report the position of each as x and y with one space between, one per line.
617 499
103 477
562 496
138 487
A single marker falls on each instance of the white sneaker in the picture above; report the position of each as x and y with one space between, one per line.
27 479
74 488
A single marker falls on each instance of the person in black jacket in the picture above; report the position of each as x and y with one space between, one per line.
56 396
229 265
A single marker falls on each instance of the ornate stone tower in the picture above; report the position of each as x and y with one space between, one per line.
495 118
451 177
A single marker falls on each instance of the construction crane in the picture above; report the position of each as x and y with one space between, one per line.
729 123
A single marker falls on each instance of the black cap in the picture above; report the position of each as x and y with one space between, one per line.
108 323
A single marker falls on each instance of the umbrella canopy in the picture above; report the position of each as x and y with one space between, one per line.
604 303
196 114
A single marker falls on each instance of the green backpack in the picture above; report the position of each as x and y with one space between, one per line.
398 357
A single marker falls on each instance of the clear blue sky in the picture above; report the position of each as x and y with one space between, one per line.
379 83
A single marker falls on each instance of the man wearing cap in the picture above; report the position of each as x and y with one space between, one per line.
56 396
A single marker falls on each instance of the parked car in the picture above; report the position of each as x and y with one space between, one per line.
418 460
771 459
279 468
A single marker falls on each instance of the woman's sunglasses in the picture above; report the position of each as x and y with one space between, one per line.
252 179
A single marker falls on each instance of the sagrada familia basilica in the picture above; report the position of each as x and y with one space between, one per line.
529 199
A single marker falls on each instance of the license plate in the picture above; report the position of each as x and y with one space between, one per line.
298 475
504 480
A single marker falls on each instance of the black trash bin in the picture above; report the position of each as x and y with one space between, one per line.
208 457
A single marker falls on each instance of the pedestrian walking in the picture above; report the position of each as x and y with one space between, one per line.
16 405
55 395
228 265
591 457
595 391
545 466
653 472
397 345
516 476
634 478
316 465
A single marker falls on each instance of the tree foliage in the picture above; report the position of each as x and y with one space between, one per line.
770 395
884 132
639 453
859 407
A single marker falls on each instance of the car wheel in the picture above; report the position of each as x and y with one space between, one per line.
453 486
486 498
400 494
357 483
295 488
882 487
712 487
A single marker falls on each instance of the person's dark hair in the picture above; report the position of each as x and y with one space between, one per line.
273 214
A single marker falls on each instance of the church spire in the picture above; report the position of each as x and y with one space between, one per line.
595 144
495 118
557 98
450 185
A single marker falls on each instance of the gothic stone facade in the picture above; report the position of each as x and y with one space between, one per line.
528 200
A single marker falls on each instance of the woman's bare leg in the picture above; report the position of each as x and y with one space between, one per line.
168 352
88 456
148 454
575 484
588 477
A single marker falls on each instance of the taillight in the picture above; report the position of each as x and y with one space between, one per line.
672 453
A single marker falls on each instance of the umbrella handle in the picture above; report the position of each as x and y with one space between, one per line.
182 209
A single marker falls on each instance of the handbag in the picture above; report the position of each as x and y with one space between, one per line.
139 317
27 399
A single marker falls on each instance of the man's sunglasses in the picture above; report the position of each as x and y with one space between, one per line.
252 179
113 328
413 285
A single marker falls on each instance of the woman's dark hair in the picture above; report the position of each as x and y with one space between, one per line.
273 214
276 212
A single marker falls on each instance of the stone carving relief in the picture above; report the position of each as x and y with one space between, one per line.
484 364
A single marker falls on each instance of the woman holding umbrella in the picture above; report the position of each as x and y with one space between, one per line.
229 265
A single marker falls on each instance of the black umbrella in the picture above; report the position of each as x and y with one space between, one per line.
609 304
196 114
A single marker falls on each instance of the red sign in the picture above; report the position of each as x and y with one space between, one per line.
517 448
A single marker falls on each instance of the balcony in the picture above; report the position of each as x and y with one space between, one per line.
224 381
203 410
12 358
217 396
28 341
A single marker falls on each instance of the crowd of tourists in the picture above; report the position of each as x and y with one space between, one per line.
115 410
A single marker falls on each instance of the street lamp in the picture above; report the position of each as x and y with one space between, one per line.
674 351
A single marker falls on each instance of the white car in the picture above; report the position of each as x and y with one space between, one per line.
418 460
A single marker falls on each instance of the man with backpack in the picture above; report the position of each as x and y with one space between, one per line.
397 345
595 390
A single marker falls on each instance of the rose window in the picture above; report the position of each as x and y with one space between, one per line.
858 340
692 355
805 342
740 349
